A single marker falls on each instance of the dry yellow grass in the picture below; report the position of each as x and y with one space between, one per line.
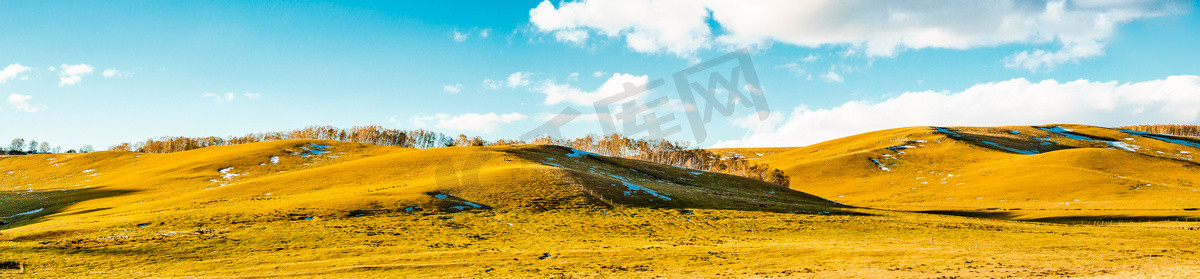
336 209
1018 172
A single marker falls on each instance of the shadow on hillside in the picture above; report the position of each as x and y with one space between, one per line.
1008 145
601 179
1070 219
1112 218
44 203
975 214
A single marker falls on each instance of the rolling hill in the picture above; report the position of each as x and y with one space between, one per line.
322 208
1032 172
322 179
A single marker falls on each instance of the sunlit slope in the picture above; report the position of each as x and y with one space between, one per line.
1018 167
302 179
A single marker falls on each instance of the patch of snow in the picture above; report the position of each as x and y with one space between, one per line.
1122 145
944 130
88 170
1064 132
26 213
580 153
1014 132
226 174
898 147
880 164
441 196
275 160
1014 150
634 187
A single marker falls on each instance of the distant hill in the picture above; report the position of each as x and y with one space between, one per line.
1052 167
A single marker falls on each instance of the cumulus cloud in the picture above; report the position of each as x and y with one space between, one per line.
1175 99
452 89
14 71
832 77
459 36
675 26
21 103
492 84
113 73
518 79
1081 28
230 96
485 32
73 74
473 122
566 93
571 36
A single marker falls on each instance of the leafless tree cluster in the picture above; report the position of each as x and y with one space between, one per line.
20 147
654 150
1168 129
361 134
681 154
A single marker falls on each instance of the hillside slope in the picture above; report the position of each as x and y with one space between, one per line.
304 179
1053 167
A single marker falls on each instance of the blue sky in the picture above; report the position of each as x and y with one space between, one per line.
105 72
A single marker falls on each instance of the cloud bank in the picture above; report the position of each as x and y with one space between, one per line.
1080 28
1175 99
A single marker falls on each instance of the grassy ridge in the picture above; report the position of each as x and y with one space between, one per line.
1023 172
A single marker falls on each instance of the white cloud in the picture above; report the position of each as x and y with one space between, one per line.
832 77
675 26
571 36
113 73
485 32
598 74
452 89
518 79
1081 28
573 77
1175 99
230 96
459 36
492 84
809 59
474 122
73 74
13 71
565 93
21 102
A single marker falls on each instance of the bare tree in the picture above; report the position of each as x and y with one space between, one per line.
17 145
